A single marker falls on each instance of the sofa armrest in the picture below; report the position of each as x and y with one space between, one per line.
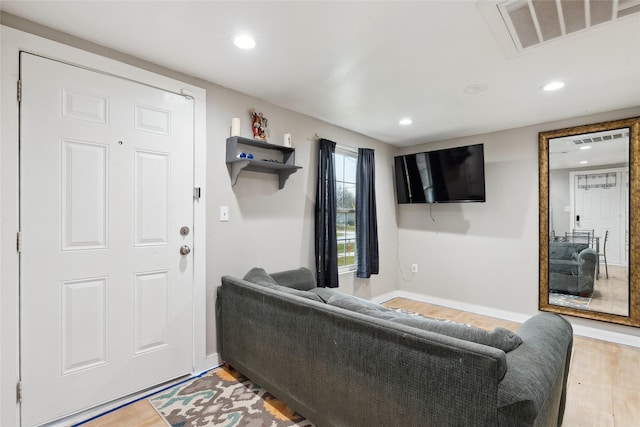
587 261
561 266
533 391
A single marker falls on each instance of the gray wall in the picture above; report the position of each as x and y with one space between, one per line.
559 199
273 228
267 227
486 254
483 254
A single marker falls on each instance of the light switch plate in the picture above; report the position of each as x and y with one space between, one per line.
224 213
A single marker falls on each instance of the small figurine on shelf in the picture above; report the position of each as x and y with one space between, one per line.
259 125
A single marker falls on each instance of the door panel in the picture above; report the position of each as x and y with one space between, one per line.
599 208
106 183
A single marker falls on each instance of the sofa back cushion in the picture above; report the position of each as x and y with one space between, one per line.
565 250
500 338
260 277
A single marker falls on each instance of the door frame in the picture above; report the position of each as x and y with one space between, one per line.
13 41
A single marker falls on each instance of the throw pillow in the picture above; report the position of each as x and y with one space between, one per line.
302 279
260 277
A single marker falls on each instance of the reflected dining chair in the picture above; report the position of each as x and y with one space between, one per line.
578 237
590 234
603 254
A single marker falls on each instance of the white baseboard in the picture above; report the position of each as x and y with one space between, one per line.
581 330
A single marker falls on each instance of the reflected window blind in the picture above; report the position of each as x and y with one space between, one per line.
600 180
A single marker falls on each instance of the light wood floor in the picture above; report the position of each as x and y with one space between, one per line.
603 388
611 295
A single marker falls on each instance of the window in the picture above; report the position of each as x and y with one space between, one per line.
345 165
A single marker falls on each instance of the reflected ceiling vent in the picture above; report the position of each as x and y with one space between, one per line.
533 22
602 136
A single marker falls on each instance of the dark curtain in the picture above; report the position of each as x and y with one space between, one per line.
366 216
325 217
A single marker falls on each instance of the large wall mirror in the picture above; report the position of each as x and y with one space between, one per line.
590 222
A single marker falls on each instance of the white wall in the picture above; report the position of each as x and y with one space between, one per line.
486 254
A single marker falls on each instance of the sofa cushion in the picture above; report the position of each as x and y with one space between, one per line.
324 293
565 250
500 338
297 292
260 277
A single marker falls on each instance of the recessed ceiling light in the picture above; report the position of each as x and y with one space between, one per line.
405 122
584 162
549 87
244 41
585 147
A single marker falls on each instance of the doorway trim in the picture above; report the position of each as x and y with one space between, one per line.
13 41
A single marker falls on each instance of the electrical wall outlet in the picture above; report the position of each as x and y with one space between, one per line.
414 268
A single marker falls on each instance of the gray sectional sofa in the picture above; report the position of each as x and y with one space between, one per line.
343 361
572 268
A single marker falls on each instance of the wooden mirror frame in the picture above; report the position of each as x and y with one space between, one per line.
633 124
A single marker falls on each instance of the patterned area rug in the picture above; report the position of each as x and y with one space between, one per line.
573 301
224 397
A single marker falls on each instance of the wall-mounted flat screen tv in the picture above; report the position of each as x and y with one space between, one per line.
441 176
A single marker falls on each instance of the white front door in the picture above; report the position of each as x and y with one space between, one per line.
106 184
599 206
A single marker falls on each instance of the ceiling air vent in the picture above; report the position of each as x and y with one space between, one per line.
533 22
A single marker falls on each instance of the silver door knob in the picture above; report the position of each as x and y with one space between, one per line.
185 250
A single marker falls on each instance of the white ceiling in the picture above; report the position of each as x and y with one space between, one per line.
363 65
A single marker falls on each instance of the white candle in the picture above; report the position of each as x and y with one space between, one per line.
235 126
287 140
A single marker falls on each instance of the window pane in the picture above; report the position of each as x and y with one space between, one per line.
341 223
349 196
339 195
345 167
350 252
350 169
341 253
339 167
351 224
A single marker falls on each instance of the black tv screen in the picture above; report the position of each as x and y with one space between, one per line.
441 176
